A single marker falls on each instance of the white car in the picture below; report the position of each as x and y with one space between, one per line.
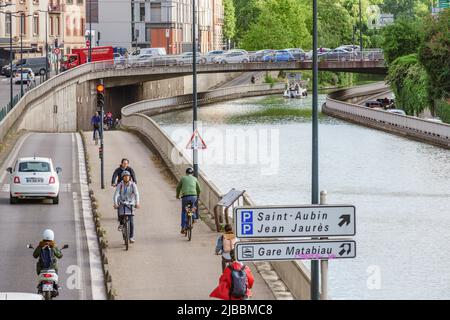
34 178
27 75
20 296
233 57
397 111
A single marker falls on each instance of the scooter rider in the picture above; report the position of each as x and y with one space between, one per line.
47 248
48 240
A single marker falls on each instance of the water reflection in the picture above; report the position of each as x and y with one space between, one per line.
400 187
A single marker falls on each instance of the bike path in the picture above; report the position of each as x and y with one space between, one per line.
161 264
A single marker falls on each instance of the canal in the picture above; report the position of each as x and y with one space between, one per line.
400 187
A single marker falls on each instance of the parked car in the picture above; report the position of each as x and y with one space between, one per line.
373 104
186 58
233 57
308 54
279 56
338 54
349 47
213 54
24 75
118 58
298 53
259 55
34 178
149 51
397 111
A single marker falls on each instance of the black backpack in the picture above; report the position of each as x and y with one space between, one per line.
47 257
239 283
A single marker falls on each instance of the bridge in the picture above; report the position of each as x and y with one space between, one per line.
63 105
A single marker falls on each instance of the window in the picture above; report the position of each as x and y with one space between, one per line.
142 12
82 26
35 24
79 2
74 27
68 28
34 167
8 23
69 1
23 24
155 12
52 27
58 27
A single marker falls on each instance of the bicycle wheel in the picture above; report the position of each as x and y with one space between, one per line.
189 230
125 233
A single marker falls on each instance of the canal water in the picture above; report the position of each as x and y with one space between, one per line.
400 187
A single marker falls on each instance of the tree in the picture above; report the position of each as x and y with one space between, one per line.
401 38
409 81
399 7
335 24
434 54
247 12
229 20
280 24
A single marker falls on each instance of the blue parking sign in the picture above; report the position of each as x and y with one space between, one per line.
247 222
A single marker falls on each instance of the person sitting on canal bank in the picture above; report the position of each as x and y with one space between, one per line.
225 246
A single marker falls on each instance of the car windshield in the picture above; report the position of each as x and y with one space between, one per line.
34 166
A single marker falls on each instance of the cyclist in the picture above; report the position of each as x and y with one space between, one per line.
189 189
117 175
126 193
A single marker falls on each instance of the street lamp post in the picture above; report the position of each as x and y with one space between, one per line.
46 44
11 60
360 31
22 16
90 31
315 150
194 89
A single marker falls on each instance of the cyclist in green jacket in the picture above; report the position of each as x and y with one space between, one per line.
189 189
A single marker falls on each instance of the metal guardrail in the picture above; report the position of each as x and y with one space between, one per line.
6 109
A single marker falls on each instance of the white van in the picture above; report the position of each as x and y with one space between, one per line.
148 51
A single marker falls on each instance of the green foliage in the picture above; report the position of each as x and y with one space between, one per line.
247 12
434 54
443 110
335 24
401 38
409 82
280 24
399 7
229 19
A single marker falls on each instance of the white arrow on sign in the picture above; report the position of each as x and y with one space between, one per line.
295 221
295 250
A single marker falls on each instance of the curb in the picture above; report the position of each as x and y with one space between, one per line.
101 233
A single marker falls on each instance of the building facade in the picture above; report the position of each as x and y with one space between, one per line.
158 23
33 22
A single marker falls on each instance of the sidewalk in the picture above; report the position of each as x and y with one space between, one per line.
162 264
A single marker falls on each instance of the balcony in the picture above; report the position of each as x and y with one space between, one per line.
55 7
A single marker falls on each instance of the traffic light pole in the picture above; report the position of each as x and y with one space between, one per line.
102 155
194 90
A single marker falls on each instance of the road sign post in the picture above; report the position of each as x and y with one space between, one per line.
295 221
295 250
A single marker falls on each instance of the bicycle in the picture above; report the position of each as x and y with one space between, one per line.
190 211
125 222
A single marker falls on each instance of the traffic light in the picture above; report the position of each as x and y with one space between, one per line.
100 97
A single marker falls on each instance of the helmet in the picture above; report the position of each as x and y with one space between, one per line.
126 173
48 235
189 170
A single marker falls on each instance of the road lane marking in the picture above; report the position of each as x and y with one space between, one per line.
80 260
95 264
12 155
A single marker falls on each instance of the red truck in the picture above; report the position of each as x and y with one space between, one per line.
80 56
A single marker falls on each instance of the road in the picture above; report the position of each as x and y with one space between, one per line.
5 89
23 223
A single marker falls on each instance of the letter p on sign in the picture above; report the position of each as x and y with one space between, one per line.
247 222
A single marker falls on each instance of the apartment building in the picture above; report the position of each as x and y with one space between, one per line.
157 23
32 22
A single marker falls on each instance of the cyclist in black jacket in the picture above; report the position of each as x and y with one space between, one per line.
117 175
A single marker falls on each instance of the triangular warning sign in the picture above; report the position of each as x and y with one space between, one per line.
195 140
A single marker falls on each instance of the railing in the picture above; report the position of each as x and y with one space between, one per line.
428 130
